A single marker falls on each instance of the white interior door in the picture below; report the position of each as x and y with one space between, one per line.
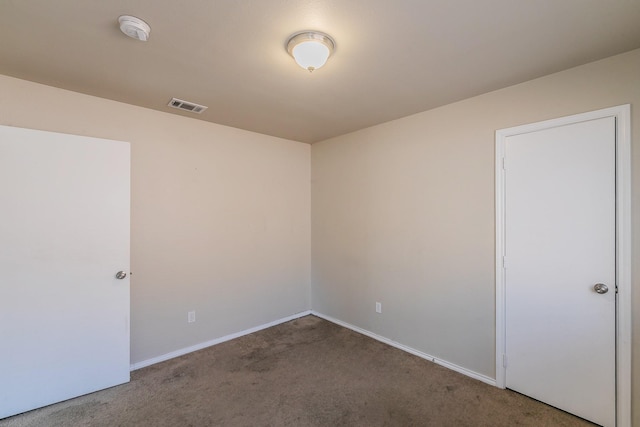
560 243
64 233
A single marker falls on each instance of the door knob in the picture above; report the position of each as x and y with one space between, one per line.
121 275
601 288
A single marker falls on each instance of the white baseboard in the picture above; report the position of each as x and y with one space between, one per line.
377 337
452 366
206 344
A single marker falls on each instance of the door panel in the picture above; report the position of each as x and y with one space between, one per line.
64 228
560 242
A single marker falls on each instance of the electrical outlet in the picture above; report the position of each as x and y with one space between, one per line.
191 316
378 307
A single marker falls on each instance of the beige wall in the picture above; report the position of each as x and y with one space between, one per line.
220 218
403 213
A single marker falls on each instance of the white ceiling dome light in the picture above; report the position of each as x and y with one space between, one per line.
134 27
310 49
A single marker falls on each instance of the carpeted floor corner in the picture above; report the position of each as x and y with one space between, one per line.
307 372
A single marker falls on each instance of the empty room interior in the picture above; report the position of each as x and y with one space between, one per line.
419 207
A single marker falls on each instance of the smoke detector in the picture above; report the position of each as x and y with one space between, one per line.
134 27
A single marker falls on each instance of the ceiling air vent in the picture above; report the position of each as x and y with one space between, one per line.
187 106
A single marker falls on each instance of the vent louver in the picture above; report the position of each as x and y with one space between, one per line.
187 106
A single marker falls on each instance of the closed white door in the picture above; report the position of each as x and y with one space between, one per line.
64 235
560 258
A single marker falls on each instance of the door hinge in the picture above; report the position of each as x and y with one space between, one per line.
504 163
504 262
504 360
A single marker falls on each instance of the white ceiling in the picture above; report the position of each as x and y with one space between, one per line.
393 58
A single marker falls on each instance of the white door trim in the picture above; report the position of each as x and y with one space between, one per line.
622 114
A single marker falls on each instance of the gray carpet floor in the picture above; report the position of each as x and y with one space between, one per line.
307 372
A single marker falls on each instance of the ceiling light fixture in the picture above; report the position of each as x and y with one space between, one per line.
134 27
310 49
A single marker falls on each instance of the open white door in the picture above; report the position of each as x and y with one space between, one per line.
64 233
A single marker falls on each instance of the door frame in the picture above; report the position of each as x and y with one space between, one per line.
622 115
